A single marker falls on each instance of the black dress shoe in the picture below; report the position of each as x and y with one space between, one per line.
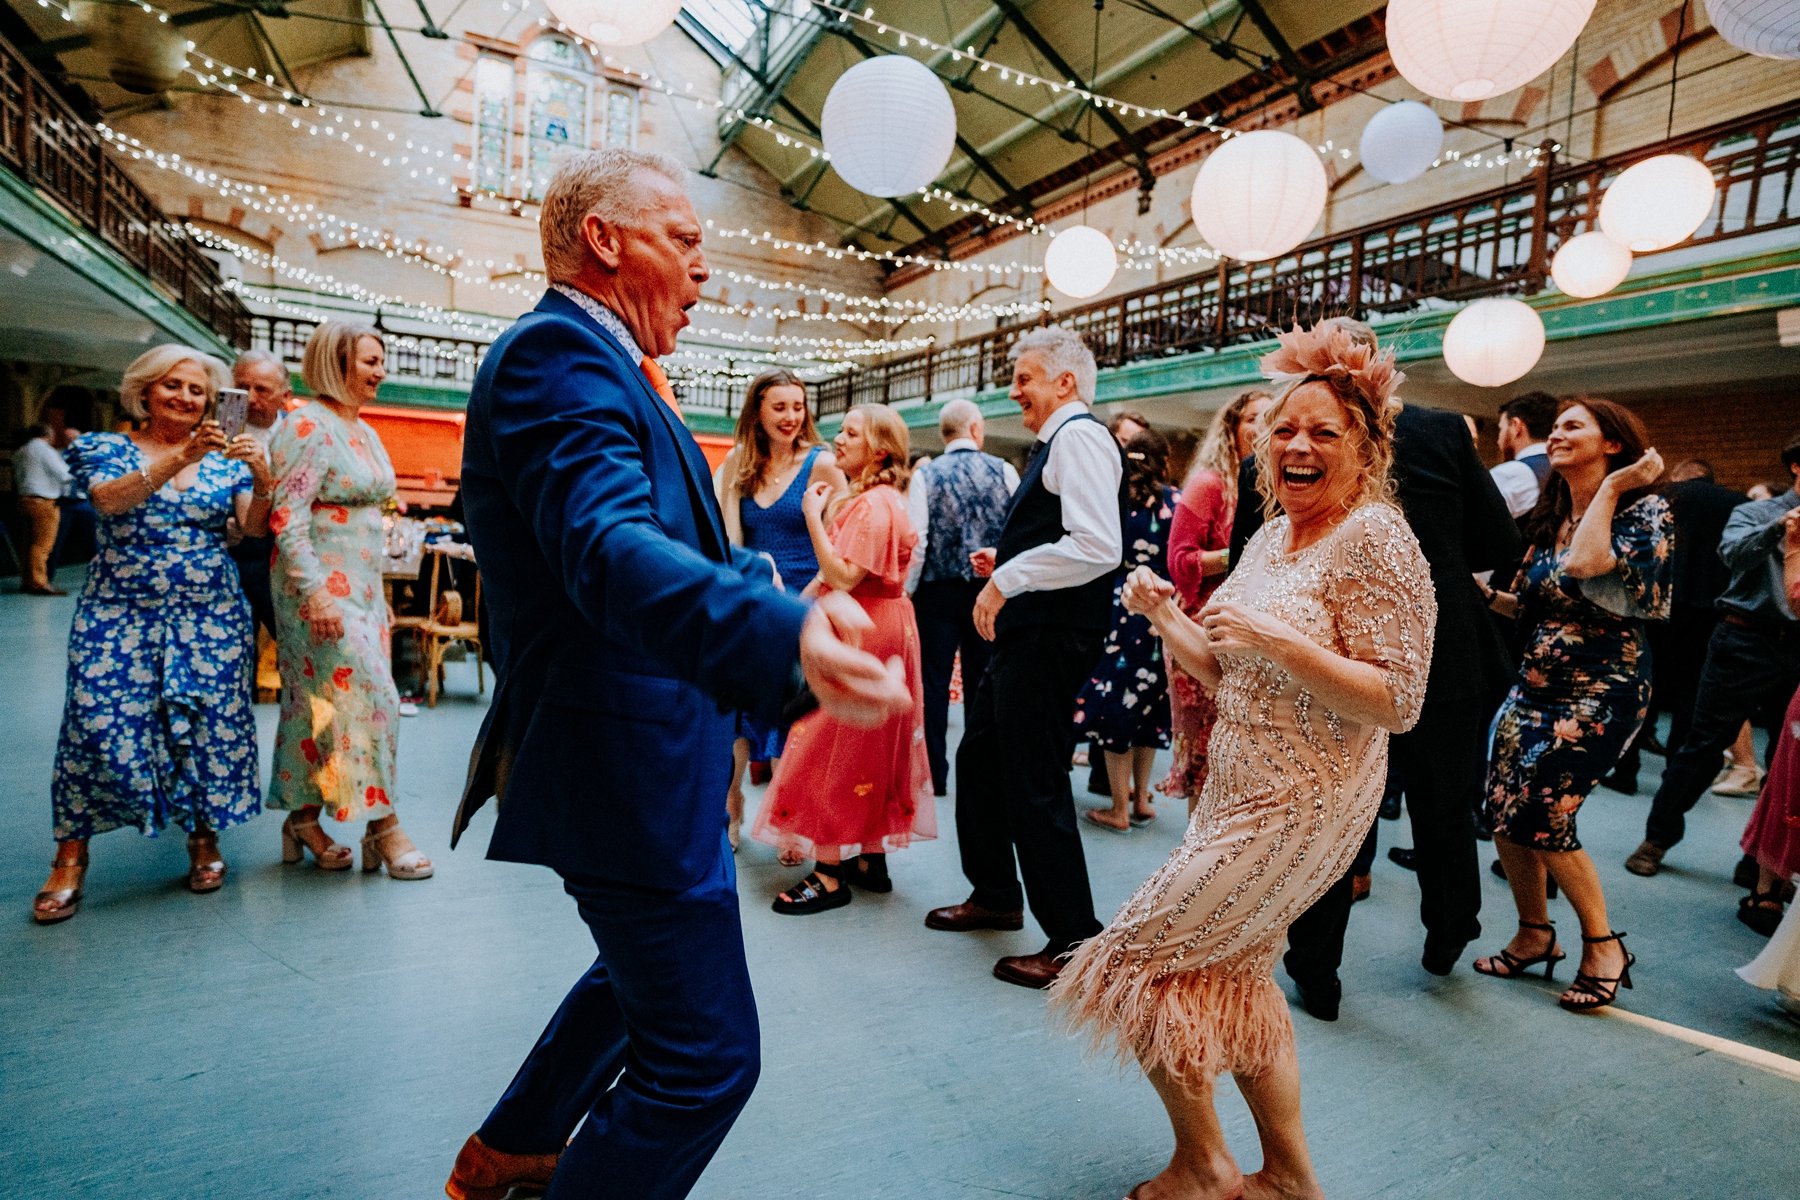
1037 971
1440 958
1402 856
1618 781
1321 998
1390 806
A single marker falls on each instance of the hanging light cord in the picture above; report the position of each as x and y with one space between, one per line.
1675 66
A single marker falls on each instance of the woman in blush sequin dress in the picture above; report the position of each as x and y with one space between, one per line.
1317 647
846 795
1199 543
775 457
340 712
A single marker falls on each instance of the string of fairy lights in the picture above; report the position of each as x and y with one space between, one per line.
261 93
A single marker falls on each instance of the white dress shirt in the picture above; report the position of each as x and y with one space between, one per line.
39 470
918 504
1083 470
1518 482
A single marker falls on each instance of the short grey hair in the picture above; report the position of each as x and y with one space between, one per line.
957 418
325 368
603 182
1062 352
249 360
154 364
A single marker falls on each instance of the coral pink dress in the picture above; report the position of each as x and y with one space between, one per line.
842 791
1202 523
1773 836
1182 980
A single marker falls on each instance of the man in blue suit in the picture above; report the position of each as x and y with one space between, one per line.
626 631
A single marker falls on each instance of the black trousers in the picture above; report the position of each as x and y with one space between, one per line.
252 558
1013 802
945 610
1749 674
1436 762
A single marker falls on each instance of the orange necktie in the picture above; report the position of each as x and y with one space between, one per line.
660 381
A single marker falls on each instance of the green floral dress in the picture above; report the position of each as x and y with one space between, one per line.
340 711
1584 681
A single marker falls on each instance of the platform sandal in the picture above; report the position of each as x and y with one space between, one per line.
1594 991
1755 911
295 842
391 848
811 896
1516 966
206 867
59 904
867 871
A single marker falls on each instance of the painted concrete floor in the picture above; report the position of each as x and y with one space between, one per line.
308 1035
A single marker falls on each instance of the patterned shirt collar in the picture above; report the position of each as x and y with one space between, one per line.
605 317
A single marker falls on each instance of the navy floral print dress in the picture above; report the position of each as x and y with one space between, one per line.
1126 702
1584 680
157 724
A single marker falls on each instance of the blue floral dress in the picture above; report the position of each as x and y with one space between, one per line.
1584 680
157 724
1126 702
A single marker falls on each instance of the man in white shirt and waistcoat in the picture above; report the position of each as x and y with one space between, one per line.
40 475
1046 607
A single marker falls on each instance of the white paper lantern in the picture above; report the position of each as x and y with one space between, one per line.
1400 142
1770 28
1258 195
1471 50
1492 342
1658 202
615 22
1080 261
1590 265
889 125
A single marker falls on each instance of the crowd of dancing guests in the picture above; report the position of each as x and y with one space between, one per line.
200 538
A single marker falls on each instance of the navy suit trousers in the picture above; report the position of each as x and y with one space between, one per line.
657 1046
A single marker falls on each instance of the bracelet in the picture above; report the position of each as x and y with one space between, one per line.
257 493
144 473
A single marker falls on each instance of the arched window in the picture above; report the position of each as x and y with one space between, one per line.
493 124
559 92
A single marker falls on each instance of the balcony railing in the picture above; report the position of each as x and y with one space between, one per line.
45 142
1500 241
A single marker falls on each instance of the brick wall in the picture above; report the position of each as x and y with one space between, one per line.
1740 429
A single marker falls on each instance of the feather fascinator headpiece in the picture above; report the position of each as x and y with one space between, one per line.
1353 368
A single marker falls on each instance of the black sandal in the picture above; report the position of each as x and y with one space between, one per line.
1753 911
810 896
867 871
1516 966
1594 991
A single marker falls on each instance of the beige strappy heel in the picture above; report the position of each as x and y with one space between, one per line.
294 844
391 848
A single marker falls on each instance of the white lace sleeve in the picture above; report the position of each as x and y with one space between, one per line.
1381 598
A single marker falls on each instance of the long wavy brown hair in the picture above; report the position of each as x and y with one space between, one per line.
1218 449
1554 504
752 440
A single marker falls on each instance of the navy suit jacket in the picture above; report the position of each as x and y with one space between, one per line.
625 629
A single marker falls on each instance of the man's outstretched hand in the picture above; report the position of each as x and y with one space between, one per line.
851 684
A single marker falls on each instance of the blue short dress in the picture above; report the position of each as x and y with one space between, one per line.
779 531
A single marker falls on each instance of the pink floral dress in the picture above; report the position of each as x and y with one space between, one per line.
340 711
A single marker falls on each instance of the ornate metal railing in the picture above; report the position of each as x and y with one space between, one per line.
46 143
418 358
1499 241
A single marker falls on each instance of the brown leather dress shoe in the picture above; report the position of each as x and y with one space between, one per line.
484 1173
1029 970
960 918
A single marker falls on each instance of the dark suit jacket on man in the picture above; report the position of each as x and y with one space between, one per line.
1700 508
626 629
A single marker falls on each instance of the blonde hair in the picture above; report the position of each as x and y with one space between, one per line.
752 440
1219 448
325 367
605 183
155 363
1341 354
889 449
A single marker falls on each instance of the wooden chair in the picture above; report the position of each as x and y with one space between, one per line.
447 624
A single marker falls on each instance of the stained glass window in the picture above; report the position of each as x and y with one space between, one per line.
621 116
558 88
493 124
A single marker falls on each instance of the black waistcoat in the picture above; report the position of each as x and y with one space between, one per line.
1035 519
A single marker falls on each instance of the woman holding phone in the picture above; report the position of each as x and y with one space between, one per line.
157 724
340 711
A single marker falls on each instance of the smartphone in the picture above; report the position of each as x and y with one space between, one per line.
234 411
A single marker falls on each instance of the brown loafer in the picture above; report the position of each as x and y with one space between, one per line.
960 918
1028 970
1646 859
484 1173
